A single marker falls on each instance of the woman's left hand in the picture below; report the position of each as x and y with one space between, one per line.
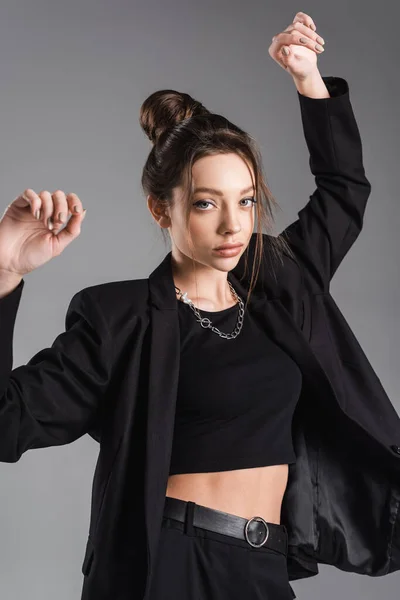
303 44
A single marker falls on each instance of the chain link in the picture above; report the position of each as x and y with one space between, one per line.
205 321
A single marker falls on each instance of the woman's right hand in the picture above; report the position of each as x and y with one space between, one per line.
27 243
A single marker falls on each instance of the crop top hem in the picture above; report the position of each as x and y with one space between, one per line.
241 462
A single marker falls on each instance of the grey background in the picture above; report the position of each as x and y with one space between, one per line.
73 76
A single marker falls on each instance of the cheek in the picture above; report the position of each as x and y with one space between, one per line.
197 233
200 229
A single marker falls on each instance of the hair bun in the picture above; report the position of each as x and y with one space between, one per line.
164 109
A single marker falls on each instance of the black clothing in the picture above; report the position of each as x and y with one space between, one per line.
194 563
236 397
114 374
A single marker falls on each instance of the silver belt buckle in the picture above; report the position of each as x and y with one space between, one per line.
246 529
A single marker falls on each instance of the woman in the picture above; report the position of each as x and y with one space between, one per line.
229 461
219 457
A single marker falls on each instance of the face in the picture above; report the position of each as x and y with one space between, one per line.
215 218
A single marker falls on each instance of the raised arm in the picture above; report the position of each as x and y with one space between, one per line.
331 221
54 399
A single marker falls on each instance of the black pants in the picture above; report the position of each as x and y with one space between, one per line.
197 564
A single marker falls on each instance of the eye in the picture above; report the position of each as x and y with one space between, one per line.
196 204
253 200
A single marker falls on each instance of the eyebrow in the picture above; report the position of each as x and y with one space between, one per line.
208 190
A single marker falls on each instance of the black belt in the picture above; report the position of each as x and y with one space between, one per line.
257 532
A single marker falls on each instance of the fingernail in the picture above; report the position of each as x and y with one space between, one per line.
84 213
313 27
37 214
61 217
320 40
319 48
50 223
77 209
285 50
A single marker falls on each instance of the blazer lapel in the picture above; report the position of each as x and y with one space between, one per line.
162 393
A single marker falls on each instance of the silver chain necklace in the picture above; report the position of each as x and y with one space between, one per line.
205 321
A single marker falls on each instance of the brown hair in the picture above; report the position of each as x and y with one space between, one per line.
182 131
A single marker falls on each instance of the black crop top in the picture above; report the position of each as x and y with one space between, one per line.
236 397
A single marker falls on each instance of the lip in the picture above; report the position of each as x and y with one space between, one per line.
229 251
228 246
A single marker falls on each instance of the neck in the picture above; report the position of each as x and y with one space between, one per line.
206 287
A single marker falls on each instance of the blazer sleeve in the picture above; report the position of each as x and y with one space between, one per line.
54 398
332 219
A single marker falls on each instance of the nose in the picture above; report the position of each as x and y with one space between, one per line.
230 223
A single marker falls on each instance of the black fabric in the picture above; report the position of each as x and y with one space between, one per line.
121 354
57 396
236 397
254 530
193 563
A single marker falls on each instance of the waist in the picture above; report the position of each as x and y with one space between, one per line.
254 532
243 492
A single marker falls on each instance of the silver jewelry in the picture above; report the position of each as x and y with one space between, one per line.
205 321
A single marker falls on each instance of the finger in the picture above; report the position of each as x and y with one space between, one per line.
298 38
74 205
46 208
60 209
302 17
75 209
27 198
307 32
275 51
72 229
302 30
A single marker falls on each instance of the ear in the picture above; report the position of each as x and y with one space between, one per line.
158 212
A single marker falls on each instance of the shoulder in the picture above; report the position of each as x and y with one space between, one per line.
120 301
133 292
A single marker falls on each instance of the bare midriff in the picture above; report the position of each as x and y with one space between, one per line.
247 492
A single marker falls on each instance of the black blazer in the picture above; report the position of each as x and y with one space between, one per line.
114 373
